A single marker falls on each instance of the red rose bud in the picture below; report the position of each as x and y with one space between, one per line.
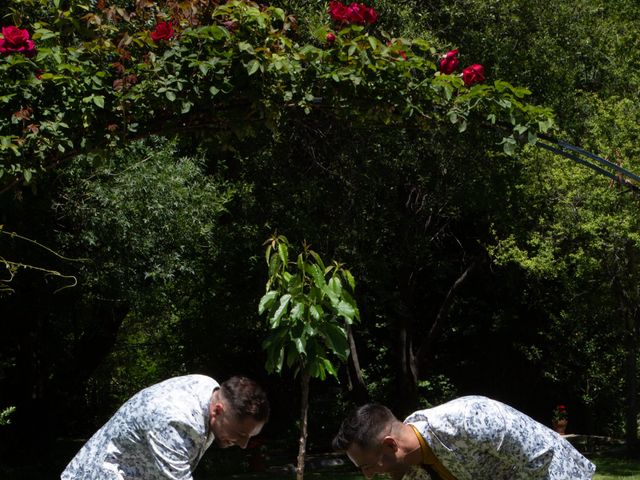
16 40
473 74
331 37
163 31
449 62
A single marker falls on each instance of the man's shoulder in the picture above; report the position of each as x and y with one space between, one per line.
460 404
173 394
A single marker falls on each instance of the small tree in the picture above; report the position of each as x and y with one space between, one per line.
308 307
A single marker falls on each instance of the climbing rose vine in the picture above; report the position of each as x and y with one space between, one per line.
98 78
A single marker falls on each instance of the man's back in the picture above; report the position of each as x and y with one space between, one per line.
160 433
479 438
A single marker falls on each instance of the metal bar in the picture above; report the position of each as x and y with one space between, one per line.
603 161
590 165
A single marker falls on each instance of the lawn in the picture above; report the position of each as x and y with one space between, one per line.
610 468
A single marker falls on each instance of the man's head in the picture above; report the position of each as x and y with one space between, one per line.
375 441
238 411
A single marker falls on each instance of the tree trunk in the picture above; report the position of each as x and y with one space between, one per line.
631 374
357 387
303 424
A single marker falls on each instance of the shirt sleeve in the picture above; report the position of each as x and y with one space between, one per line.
174 449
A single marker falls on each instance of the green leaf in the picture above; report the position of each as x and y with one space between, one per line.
283 251
266 301
335 285
336 339
317 275
253 66
99 100
170 95
350 280
329 367
246 47
520 129
316 312
509 145
299 343
297 312
282 309
317 258
545 125
346 311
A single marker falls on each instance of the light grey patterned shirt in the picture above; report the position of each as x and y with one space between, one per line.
160 433
477 438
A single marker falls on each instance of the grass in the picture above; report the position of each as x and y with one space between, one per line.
608 468
612 468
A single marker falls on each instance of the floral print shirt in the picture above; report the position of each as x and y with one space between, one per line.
160 433
477 438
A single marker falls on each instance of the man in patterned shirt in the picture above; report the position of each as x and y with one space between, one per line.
470 438
163 431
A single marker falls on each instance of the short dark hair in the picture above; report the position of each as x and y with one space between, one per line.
363 426
245 398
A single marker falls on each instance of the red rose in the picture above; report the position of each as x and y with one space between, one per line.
338 12
449 62
357 13
370 16
473 74
16 41
331 37
163 31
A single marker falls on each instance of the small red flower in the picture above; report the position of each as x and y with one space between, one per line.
473 74
16 40
331 37
449 62
163 31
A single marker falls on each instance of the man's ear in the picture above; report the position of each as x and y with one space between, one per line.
390 442
216 409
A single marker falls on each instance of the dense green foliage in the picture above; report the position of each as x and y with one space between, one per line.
478 272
